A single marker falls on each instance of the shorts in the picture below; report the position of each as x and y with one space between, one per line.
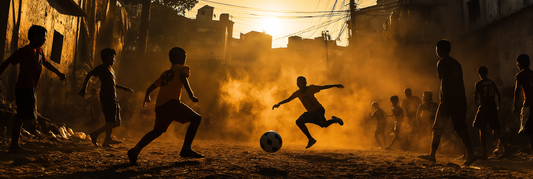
380 129
315 117
173 110
26 100
111 110
487 115
456 112
526 126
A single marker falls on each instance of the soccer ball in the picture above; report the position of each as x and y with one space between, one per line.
270 141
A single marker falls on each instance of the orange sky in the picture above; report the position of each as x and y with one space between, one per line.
279 18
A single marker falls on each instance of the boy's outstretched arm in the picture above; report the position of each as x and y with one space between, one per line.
148 92
124 88
54 69
6 63
185 82
290 98
82 91
331 86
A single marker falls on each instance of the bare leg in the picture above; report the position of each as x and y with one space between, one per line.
15 135
483 141
470 158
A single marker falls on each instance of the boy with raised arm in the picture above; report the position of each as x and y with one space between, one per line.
315 112
169 106
108 96
31 59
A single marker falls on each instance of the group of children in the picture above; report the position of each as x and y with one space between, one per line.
428 121
430 117
168 106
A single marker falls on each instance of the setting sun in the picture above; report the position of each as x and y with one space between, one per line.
271 25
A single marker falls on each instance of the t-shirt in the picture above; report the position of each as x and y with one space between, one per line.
308 98
410 105
106 74
452 88
170 83
397 111
31 61
427 111
524 79
486 89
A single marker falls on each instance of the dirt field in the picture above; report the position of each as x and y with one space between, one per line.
160 159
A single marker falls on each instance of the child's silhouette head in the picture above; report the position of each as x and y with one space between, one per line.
443 48
375 105
177 56
427 96
522 61
394 100
482 71
408 92
37 35
108 56
301 82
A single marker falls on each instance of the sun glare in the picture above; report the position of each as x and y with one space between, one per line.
271 26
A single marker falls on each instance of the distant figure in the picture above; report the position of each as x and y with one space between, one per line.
169 108
108 96
487 113
381 124
523 81
315 112
410 105
31 60
94 107
397 112
426 117
452 103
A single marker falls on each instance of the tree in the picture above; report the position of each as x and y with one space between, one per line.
181 6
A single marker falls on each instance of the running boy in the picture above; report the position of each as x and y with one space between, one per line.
31 59
523 81
382 123
169 107
108 96
487 112
397 112
315 112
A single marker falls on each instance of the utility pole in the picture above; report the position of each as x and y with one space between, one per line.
351 40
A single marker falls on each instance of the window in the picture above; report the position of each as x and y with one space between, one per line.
57 47
473 10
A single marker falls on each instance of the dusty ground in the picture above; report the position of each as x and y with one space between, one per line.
68 159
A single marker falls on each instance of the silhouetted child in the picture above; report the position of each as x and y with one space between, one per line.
169 107
315 112
410 104
487 112
523 81
397 112
31 60
426 117
95 109
108 96
381 124
452 103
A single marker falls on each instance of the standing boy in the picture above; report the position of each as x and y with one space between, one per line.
487 112
31 59
315 112
452 103
397 112
108 96
169 107
410 104
382 123
425 116
524 80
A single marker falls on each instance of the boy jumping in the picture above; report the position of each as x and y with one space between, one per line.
315 112
108 96
169 107
31 59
